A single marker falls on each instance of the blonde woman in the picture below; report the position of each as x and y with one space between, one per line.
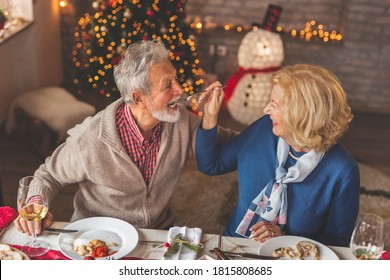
294 177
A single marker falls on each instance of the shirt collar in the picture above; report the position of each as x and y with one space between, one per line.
132 125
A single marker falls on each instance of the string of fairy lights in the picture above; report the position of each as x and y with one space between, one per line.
312 30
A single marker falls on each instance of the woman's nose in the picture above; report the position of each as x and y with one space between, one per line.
267 110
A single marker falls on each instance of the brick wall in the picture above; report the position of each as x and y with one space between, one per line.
361 60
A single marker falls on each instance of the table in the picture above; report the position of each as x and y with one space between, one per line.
150 238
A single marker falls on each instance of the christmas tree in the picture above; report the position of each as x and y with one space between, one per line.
103 37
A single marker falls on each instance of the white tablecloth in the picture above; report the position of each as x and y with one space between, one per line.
150 238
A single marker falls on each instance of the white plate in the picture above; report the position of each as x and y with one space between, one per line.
103 228
24 256
268 247
7 248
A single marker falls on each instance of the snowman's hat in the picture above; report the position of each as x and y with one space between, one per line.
271 18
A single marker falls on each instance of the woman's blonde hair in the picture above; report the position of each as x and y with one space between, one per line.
315 108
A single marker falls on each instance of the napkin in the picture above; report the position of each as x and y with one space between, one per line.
57 255
385 255
193 235
7 215
50 255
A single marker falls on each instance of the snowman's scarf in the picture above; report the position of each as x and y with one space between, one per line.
237 76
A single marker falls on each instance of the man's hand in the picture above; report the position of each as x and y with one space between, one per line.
27 226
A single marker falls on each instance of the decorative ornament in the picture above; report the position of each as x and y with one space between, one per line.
96 4
146 37
174 246
178 53
3 19
163 29
149 12
112 3
260 55
127 13
103 28
115 60
121 49
189 82
103 5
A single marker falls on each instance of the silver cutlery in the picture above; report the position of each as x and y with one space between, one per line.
145 242
247 255
60 230
189 98
220 254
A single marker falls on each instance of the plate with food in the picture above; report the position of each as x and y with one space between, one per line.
9 253
296 248
98 238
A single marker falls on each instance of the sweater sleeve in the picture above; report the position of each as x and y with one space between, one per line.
343 210
214 156
64 167
223 134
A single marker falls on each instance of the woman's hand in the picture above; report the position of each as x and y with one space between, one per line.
212 99
262 231
27 227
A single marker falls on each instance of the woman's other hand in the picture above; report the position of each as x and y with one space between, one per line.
262 231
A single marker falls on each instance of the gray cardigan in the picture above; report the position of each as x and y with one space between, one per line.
110 184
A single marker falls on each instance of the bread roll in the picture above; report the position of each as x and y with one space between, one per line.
307 248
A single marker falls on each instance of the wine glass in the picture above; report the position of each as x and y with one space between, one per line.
367 237
33 207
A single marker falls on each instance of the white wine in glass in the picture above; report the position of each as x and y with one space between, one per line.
33 207
367 238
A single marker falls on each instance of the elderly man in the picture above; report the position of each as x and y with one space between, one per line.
128 158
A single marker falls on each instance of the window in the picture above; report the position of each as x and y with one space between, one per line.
15 15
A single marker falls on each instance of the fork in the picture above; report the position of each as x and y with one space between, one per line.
189 98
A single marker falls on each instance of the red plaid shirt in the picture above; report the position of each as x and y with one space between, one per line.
143 152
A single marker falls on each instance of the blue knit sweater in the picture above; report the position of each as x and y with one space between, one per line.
323 207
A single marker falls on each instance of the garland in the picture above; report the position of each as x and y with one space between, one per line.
179 239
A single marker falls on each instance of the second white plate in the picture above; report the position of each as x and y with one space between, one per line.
110 230
268 247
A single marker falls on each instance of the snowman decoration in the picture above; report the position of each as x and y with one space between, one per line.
260 55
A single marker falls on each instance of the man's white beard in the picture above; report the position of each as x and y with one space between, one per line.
165 115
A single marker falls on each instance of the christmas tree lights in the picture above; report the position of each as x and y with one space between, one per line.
102 38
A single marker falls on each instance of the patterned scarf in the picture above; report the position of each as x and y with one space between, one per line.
271 203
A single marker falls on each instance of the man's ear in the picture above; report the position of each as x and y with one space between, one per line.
139 98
